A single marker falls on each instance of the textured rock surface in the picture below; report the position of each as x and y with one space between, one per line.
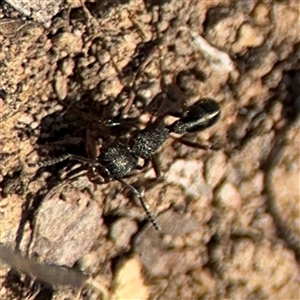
40 11
230 218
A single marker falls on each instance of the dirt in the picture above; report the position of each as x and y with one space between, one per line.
230 218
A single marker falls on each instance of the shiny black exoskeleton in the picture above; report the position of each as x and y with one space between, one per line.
118 159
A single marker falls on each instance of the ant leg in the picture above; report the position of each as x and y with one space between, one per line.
94 176
145 207
92 143
50 161
130 123
145 165
156 167
196 145
129 103
64 157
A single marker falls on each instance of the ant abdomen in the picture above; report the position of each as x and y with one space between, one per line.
201 115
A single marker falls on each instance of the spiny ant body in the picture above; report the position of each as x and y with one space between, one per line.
118 159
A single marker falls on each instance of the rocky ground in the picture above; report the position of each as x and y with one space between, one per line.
230 218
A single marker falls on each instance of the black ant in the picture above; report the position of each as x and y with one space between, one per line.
118 159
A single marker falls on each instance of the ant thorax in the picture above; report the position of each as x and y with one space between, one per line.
146 142
118 158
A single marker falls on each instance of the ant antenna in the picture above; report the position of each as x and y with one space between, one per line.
145 207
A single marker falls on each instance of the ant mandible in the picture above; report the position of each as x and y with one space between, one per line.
118 159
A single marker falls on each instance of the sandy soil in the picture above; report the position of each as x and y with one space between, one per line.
230 218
